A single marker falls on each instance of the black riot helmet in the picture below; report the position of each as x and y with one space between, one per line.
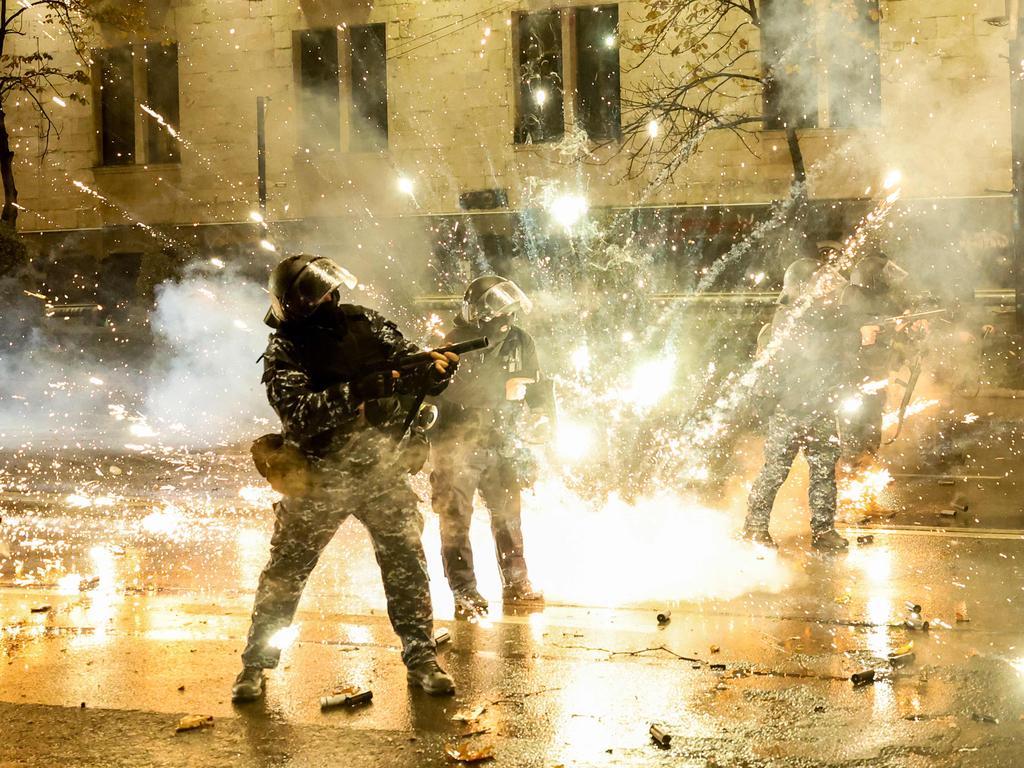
492 296
799 276
877 274
299 283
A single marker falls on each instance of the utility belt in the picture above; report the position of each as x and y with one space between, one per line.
292 471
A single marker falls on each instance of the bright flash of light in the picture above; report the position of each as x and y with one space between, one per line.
970 418
871 387
580 359
651 381
71 584
573 440
95 380
284 637
59 101
609 41
757 278
540 96
892 418
266 245
256 216
217 263
1018 665
852 404
696 554
568 209
405 185
892 179
862 492
164 522
652 129
142 429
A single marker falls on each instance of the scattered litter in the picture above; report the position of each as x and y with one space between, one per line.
902 659
867 539
661 737
916 623
194 722
464 753
41 609
717 667
715 649
843 599
469 716
947 481
863 678
664 617
947 512
442 636
959 503
181 688
87 584
903 649
353 699
912 606
960 612
980 718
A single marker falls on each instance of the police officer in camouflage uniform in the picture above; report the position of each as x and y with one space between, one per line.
477 446
327 376
874 294
812 346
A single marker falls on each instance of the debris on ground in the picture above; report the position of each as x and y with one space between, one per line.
863 677
661 736
469 716
715 649
980 718
442 636
664 617
193 723
346 697
464 753
960 612
867 539
947 512
41 609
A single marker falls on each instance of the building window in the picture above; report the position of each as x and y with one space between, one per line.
117 106
318 84
162 98
369 88
539 106
853 64
597 72
789 61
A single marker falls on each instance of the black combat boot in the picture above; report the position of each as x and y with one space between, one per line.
759 536
470 604
522 593
431 678
829 541
248 685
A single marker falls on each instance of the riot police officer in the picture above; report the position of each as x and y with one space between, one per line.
328 376
811 346
874 294
476 445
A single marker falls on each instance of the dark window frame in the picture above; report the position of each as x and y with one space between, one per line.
539 66
369 101
788 102
854 67
165 100
116 106
318 75
598 87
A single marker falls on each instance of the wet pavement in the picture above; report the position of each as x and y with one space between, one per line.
126 579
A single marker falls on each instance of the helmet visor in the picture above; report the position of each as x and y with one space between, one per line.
505 298
314 283
893 274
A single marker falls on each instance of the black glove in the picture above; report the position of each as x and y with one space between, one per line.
426 379
376 386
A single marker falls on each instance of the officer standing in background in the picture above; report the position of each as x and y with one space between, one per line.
327 374
875 294
813 352
476 444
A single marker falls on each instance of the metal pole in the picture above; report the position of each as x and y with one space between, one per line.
261 151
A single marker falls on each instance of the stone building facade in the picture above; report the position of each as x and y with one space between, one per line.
454 126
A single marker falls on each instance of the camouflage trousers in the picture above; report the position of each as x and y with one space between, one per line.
383 502
787 435
460 470
862 430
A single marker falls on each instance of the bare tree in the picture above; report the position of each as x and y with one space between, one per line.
700 70
36 75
